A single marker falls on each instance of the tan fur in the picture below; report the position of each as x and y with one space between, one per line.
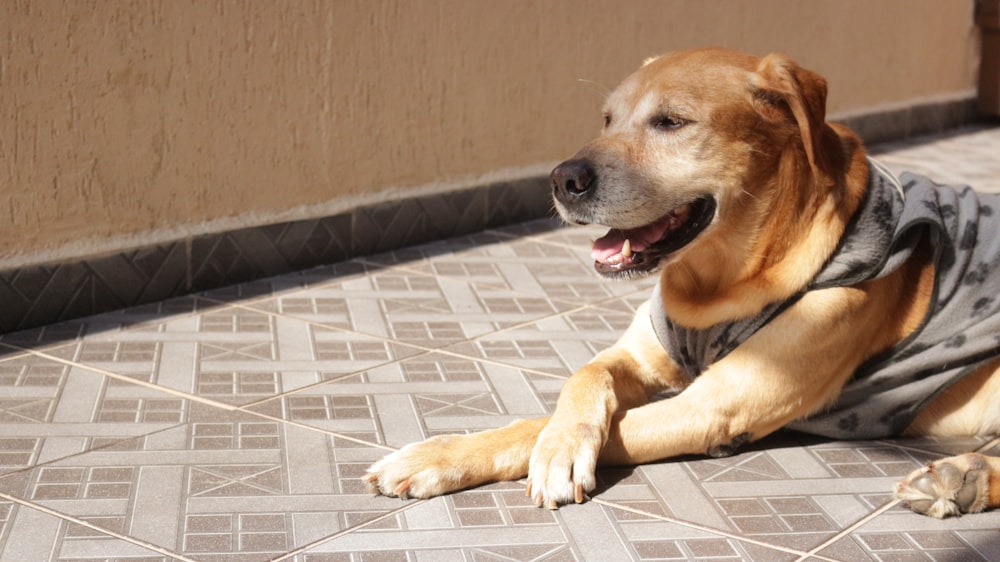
786 183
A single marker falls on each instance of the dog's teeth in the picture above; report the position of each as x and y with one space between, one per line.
627 248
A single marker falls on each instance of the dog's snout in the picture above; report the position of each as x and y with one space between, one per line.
572 179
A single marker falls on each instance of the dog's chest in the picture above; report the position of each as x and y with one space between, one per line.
960 332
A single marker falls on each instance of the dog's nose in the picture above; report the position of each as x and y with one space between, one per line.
572 178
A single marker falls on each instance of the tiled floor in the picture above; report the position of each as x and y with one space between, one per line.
234 425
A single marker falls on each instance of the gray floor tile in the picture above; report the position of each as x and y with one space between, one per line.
51 409
233 355
247 293
558 345
413 308
419 397
27 533
904 535
788 490
967 156
533 267
418 256
229 486
497 522
135 318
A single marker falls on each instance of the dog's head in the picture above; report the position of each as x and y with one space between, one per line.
691 147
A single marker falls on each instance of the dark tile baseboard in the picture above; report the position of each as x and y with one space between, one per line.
48 293
903 123
43 294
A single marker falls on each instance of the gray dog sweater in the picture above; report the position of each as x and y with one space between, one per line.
960 332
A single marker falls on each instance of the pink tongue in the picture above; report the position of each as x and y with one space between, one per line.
640 238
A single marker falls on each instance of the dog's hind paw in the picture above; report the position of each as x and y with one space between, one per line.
948 487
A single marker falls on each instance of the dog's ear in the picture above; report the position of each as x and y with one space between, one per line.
780 85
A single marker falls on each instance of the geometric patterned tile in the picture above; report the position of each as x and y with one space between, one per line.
417 257
534 266
240 255
251 291
963 156
30 534
654 539
43 294
141 317
941 446
413 399
558 345
413 308
233 355
51 410
497 522
236 487
904 535
784 490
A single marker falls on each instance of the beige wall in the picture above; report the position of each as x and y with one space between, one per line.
132 122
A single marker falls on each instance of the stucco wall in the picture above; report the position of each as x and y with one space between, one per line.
124 123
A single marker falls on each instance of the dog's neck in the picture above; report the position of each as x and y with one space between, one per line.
799 221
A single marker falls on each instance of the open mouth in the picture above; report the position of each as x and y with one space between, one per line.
627 253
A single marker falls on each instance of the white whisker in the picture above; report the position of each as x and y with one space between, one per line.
605 90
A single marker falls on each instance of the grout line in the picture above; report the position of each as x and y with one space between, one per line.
886 507
699 527
335 328
911 448
529 370
444 350
927 447
289 291
16 352
850 529
296 391
81 522
479 284
123 327
137 382
319 430
103 448
347 531
209 402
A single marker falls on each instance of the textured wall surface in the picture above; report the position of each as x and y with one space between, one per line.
134 122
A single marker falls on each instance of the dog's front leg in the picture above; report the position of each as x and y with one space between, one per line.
789 369
620 377
447 463
564 459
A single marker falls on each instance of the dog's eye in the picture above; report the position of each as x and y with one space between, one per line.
668 122
607 120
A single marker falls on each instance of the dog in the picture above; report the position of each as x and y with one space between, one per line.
799 285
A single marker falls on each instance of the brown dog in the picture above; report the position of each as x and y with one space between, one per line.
798 286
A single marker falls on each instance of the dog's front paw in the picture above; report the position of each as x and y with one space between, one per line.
418 470
563 462
947 487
